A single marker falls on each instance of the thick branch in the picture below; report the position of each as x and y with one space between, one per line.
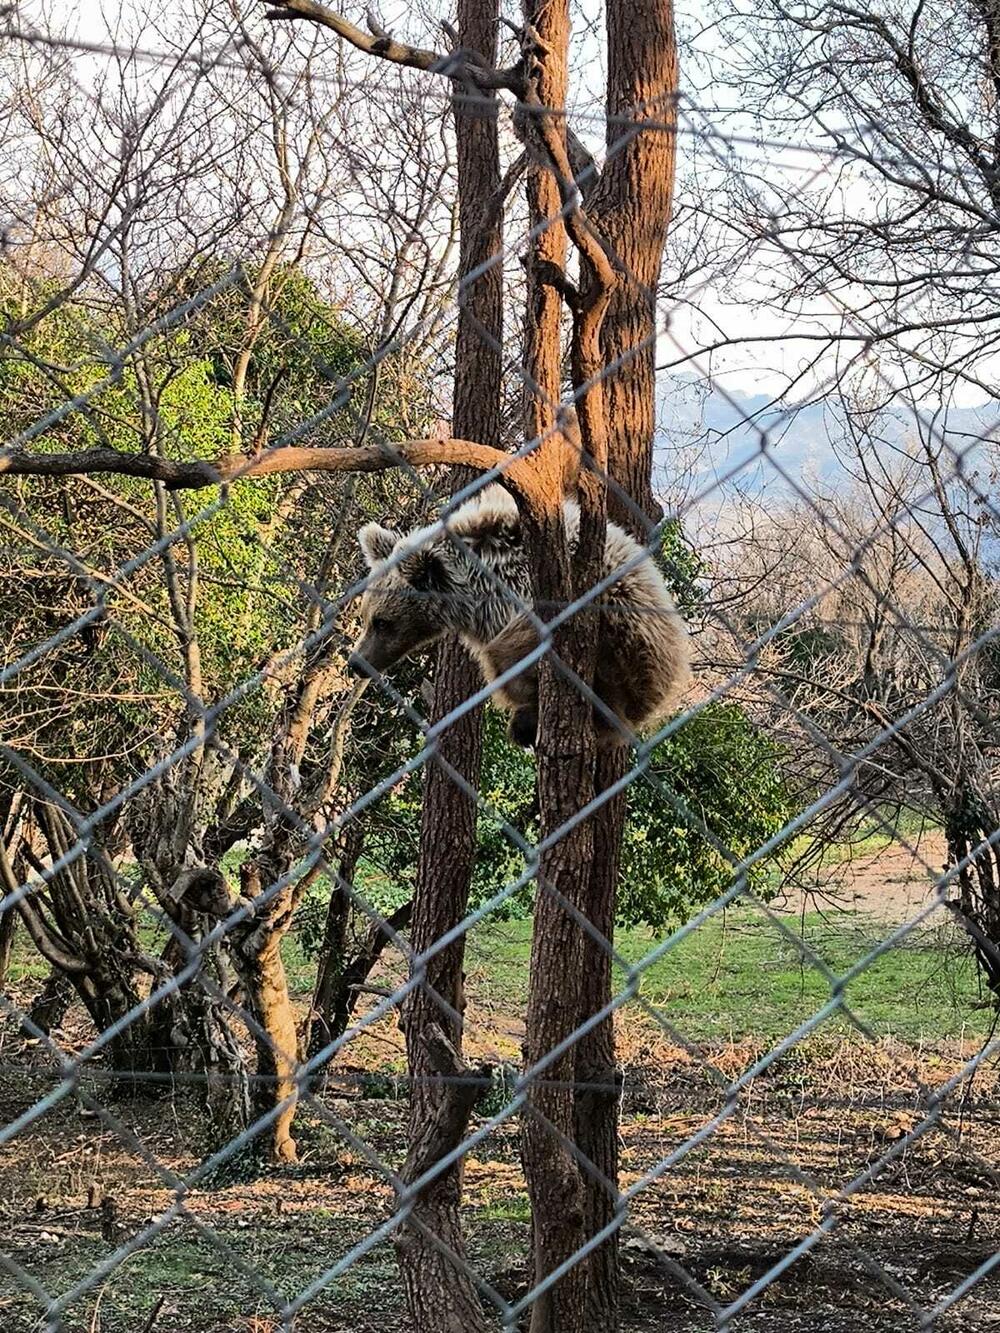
41 937
465 66
599 277
361 966
592 247
198 473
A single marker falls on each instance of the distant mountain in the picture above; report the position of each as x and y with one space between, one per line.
737 433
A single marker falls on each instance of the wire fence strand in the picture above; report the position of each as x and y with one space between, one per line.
209 827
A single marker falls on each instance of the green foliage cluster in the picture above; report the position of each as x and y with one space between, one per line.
711 793
241 575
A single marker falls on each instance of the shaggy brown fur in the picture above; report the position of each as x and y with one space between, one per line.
425 585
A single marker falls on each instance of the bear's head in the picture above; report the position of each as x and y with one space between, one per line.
404 608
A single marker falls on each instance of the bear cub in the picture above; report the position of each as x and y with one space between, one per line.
423 586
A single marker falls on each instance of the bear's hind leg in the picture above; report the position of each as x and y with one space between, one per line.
622 684
520 694
511 646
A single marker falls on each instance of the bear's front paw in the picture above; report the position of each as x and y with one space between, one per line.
523 729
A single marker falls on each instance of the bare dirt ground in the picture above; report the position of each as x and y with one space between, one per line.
890 884
921 1216
837 1191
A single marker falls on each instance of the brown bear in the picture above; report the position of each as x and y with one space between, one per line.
424 585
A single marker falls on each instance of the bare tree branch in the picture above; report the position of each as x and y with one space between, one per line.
466 66
196 474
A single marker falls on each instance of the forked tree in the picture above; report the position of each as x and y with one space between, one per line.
600 310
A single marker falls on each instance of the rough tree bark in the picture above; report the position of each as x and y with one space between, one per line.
329 1000
632 204
256 954
255 943
565 748
51 1005
547 256
597 1075
440 1296
570 1199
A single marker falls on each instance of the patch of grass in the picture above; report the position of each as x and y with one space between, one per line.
738 976
202 1288
512 1208
26 963
497 963
183 1272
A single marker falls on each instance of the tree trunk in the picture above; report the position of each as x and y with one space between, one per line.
597 1075
191 1039
104 983
542 365
8 920
632 203
50 1005
338 976
565 750
110 996
11 833
571 978
256 953
968 825
440 1296
324 1022
565 758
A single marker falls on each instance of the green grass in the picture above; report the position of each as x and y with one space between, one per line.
202 1289
738 976
511 1208
735 976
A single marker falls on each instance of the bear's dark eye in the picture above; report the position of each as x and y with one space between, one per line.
380 625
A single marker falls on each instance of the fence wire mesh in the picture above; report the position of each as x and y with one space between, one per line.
211 831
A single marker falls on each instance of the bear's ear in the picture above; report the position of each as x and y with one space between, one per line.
377 543
425 571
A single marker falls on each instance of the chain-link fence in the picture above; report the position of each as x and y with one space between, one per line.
335 995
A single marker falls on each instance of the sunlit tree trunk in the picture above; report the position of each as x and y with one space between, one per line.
440 1296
